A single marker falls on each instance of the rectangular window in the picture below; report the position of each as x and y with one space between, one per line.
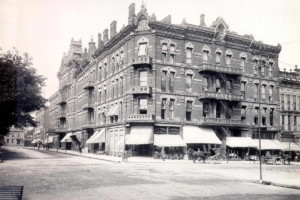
142 49
188 110
228 59
171 108
171 83
218 57
12 140
288 101
163 108
164 81
271 70
295 123
282 101
104 96
243 62
105 70
205 57
7 140
143 78
272 117
256 116
121 85
100 73
243 86
263 92
205 83
255 92
189 55
218 110
283 121
263 119
172 58
271 93
255 67
289 122
172 49
243 113
189 82
143 106
164 47
164 57
294 102
229 86
205 109
99 100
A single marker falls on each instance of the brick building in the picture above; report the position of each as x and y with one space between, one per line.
290 105
42 118
156 84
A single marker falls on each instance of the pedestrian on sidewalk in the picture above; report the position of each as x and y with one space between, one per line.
80 148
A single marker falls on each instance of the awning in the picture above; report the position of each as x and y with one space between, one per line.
268 144
292 146
49 139
109 114
236 142
89 141
75 137
165 140
98 137
115 111
197 135
34 141
140 135
67 138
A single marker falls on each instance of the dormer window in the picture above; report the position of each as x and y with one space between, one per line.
142 49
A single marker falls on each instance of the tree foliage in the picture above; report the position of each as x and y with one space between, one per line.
20 91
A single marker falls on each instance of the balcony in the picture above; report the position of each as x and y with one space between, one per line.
140 60
62 115
222 122
220 69
61 129
220 96
140 90
140 118
62 100
90 124
89 85
88 105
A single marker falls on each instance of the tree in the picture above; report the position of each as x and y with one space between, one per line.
20 91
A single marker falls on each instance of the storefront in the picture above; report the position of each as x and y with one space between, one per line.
66 142
139 142
96 143
242 147
272 146
204 139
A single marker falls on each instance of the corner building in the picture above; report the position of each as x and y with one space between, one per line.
157 84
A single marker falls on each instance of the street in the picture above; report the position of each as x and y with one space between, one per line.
51 175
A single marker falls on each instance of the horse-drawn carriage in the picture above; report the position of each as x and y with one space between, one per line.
211 156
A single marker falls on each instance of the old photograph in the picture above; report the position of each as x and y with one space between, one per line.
149 99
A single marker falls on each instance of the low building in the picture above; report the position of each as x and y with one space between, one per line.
15 137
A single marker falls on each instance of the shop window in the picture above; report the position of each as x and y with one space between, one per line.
142 49
143 78
171 108
163 108
171 83
143 106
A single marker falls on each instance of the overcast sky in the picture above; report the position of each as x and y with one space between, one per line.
44 28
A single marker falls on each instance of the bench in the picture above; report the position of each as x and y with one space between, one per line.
11 192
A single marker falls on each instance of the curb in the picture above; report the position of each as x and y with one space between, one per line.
275 184
83 156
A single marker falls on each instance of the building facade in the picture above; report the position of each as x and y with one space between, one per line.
157 84
15 137
42 119
290 105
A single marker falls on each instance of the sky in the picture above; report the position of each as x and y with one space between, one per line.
44 28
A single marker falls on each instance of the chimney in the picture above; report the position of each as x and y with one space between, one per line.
113 29
131 14
92 48
85 54
202 22
100 42
105 36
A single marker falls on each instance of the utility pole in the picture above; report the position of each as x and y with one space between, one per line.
259 120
